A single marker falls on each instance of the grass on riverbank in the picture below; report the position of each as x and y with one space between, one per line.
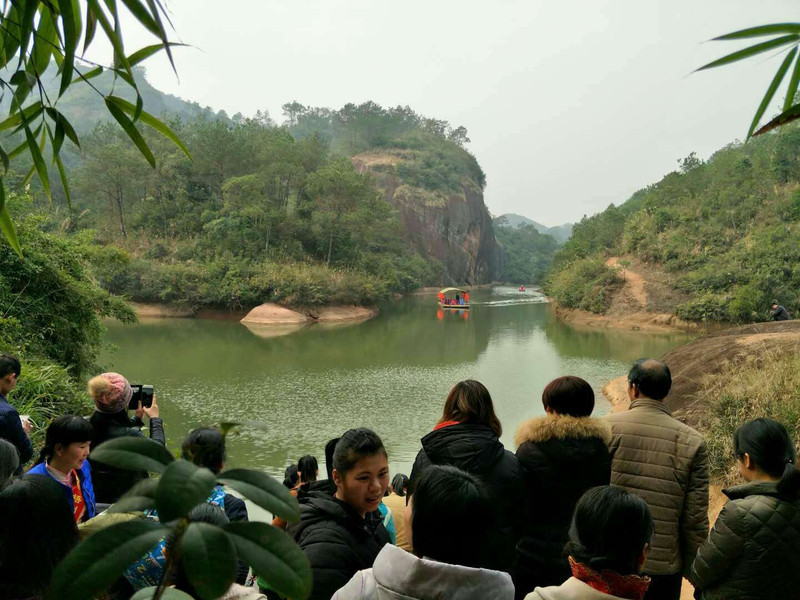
767 385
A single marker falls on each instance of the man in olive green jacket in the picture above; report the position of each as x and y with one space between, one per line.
665 463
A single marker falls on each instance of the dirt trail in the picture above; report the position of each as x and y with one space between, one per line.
634 283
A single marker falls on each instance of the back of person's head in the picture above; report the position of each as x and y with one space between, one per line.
9 364
307 467
205 447
38 532
202 513
772 450
354 445
652 377
290 476
470 402
452 517
65 430
110 392
330 448
9 460
610 529
400 484
569 395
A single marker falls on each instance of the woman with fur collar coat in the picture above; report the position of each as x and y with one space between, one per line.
561 455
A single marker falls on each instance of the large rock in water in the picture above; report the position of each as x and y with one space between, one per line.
272 314
454 227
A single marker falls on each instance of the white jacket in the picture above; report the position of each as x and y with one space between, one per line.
571 589
397 575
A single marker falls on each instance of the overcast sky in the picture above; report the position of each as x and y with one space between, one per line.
570 105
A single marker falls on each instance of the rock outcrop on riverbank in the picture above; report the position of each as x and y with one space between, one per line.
272 314
709 355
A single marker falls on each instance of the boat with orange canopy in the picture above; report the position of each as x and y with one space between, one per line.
453 298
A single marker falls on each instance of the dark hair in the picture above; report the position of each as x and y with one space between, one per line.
330 448
308 468
652 377
9 364
38 532
470 402
290 476
609 530
9 460
452 517
769 446
65 430
399 484
205 447
202 513
569 395
354 445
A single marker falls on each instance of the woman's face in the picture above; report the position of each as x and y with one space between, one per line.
363 486
73 455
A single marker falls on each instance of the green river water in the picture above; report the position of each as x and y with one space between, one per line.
391 373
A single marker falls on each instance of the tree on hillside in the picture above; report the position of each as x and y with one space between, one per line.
337 190
33 33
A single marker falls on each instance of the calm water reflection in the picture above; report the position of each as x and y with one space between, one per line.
391 373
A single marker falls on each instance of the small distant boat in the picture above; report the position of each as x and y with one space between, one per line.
521 288
454 299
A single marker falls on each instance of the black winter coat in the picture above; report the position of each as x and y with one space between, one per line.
110 482
475 448
561 457
336 540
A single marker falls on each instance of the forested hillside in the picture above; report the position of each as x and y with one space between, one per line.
528 253
724 233
560 233
264 212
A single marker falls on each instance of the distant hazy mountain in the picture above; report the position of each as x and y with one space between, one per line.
560 233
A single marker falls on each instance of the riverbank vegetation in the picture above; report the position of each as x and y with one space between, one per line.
767 386
528 253
725 231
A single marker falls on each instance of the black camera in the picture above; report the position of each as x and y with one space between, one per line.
143 393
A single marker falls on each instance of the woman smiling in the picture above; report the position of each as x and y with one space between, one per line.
343 533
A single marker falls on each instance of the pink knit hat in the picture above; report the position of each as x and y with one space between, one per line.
111 392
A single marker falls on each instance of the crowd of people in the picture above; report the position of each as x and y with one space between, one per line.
593 508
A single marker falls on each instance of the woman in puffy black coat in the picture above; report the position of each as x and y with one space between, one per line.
561 455
342 533
467 437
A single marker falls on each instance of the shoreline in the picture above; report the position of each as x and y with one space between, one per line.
637 321
266 314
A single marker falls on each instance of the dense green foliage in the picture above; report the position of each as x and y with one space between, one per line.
528 253
52 309
725 231
262 212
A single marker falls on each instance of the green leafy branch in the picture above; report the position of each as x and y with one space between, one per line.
785 36
209 553
36 32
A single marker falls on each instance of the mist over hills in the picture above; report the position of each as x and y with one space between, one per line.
560 233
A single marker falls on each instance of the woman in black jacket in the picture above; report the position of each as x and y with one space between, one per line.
111 393
342 533
467 437
561 455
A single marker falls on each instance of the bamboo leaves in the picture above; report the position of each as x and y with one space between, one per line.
788 35
36 32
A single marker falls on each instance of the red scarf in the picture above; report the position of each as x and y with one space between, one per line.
77 498
632 587
444 424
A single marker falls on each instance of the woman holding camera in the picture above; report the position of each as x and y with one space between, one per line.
112 394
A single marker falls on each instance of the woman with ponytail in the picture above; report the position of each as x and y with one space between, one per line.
63 458
754 546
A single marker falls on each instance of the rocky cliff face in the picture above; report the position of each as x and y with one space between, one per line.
454 227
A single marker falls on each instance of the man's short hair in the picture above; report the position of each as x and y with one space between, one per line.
652 377
9 364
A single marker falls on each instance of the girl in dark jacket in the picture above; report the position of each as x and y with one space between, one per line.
561 455
63 459
343 533
467 437
754 547
111 393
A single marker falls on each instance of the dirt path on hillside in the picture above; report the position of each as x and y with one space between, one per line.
634 283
